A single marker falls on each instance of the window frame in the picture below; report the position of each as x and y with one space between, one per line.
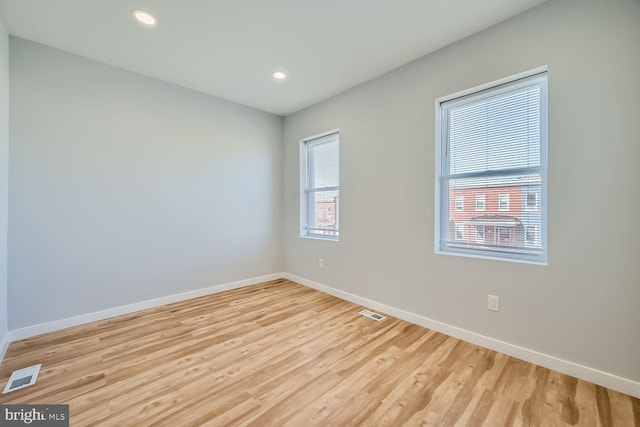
482 197
306 171
455 203
442 196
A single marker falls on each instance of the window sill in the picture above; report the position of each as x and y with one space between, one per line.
532 261
325 238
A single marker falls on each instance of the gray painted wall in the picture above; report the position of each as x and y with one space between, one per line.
124 188
583 306
4 174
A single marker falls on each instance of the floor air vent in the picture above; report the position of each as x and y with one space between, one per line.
22 378
372 315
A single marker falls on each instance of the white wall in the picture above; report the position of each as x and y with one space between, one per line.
124 188
583 306
4 177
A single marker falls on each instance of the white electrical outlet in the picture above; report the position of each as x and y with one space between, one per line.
493 303
321 262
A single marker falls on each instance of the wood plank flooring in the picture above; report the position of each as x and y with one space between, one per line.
280 354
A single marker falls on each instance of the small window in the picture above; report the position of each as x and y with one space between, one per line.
530 235
492 145
459 231
320 184
459 200
532 201
503 202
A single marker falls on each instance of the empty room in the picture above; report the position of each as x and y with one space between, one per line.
296 213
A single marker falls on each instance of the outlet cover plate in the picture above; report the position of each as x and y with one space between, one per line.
493 303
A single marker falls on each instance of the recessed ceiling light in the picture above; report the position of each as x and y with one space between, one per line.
144 17
279 74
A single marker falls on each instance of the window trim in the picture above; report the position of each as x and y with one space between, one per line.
305 207
541 259
482 197
455 203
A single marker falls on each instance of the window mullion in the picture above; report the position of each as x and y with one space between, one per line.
334 188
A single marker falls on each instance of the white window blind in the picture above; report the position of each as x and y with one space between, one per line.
493 150
321 210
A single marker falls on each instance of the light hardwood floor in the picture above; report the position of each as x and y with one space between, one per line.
280 354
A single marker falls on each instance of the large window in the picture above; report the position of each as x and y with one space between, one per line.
320 207
492 145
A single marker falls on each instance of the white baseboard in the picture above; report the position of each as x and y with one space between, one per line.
586 373
43 328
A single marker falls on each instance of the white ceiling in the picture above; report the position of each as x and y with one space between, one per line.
229 48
